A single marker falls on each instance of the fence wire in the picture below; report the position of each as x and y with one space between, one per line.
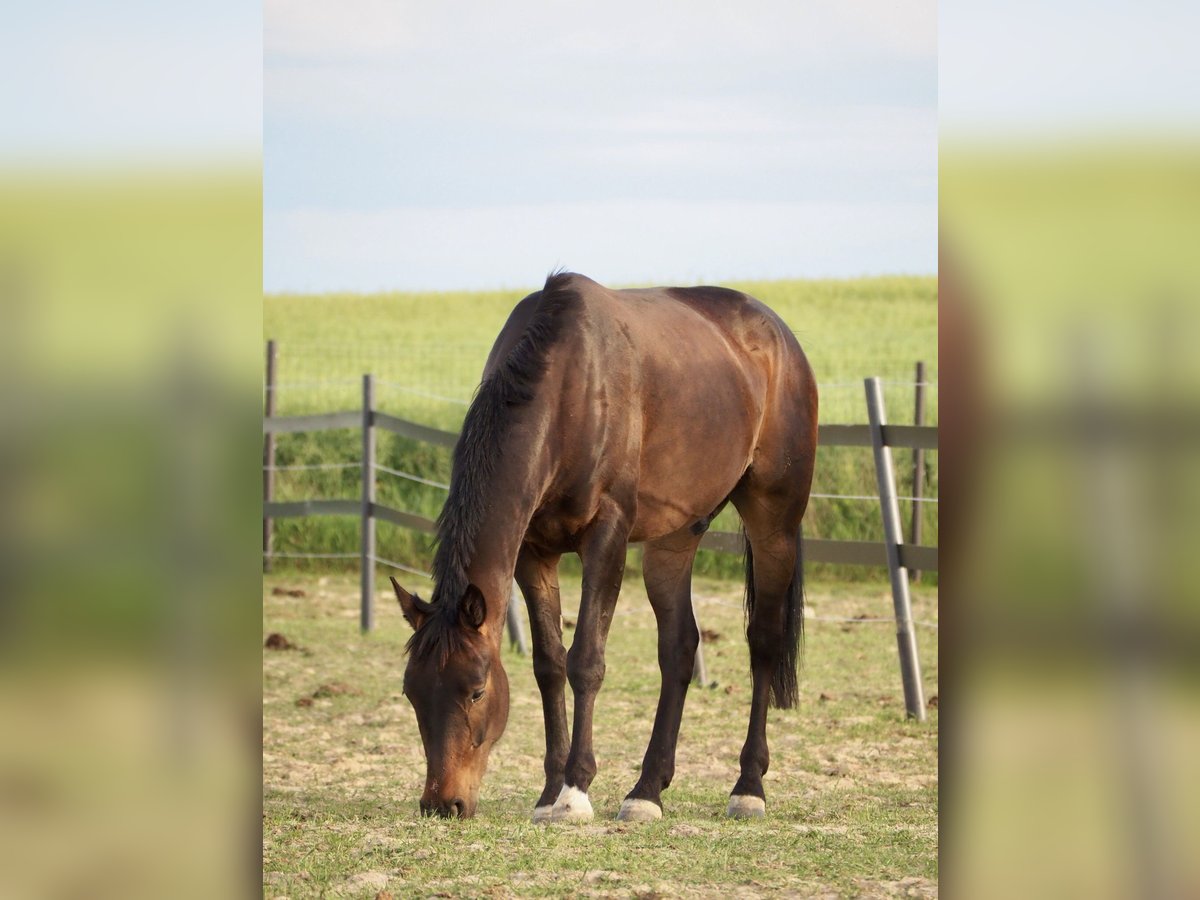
277 554
396 386
884 381
289 385
811 617
411 477
400 566
311 466
872 497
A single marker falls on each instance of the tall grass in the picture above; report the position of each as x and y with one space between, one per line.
426 351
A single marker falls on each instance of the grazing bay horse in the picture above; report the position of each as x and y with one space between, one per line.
606 417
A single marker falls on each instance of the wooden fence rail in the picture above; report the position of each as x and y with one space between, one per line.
892 552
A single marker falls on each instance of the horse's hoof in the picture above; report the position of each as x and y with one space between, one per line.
541 814
746 806
634 810
572 805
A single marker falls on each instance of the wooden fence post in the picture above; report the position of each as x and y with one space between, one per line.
269 459
918 511
368 502
893 536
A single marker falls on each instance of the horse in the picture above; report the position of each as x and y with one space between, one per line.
606 417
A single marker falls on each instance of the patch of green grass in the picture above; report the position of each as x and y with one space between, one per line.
852 790
427 351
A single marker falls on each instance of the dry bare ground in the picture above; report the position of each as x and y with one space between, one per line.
851 793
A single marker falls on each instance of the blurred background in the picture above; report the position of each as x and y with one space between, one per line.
1068 306
130 322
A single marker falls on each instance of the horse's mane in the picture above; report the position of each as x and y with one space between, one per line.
477 456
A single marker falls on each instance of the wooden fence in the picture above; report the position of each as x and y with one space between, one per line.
893 552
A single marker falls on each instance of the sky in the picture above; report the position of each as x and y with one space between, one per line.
455 145
1025 70
130 82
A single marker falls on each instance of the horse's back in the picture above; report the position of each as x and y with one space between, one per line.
701 336
645 317
699 318
710 375
660 398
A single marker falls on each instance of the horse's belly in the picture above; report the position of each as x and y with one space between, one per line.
656 518
663 507
689 496
692 456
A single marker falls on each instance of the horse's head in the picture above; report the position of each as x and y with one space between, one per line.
459 691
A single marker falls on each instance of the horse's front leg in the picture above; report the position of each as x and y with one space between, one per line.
603 553
537 576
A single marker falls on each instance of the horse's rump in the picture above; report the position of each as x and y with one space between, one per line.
665 394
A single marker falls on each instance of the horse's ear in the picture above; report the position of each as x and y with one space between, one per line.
472 608
414 608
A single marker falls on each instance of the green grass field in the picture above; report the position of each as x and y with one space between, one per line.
427 351
424 347
851 792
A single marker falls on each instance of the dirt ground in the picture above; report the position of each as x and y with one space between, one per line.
852 789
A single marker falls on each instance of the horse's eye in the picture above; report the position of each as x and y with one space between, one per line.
477 696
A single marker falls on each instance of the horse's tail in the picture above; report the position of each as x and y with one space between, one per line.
784 687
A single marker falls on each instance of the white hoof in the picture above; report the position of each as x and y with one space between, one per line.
745 806
572 805
541 814
639 811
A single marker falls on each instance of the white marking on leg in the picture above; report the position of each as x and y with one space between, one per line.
572 805
634 810
746 806
541 814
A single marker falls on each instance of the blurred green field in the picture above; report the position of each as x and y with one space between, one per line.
426 351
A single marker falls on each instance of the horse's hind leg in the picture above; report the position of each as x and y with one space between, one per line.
667 569
537 577
772 529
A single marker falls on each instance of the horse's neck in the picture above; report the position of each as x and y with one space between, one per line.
511 506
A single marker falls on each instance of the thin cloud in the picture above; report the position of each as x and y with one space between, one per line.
358 29
419 144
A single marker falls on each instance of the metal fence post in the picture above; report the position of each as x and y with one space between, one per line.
906 639
368 502
516 628
918 512
269 459
699 672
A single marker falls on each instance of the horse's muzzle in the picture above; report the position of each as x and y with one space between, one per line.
446 809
